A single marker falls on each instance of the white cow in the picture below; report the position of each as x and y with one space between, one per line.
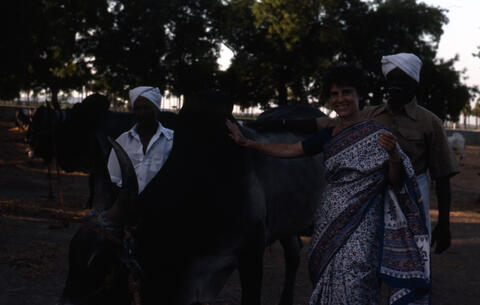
457 143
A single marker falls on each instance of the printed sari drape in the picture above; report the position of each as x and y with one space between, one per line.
366 230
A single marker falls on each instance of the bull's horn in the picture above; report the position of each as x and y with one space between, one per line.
103 192
124 207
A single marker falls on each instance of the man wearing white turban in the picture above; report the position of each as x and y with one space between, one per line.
409 63
147 143
420 134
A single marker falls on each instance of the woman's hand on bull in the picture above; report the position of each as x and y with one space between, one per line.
389 142
235 133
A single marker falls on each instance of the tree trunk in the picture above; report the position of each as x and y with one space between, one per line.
55 103
282 95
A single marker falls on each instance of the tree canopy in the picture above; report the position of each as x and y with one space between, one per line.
281 47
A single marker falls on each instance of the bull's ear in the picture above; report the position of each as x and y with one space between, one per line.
96 101
228 104
103 194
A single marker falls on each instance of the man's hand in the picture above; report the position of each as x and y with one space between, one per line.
441 237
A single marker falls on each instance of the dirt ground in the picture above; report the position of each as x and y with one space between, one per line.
34 244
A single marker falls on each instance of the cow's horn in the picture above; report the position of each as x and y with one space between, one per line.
103 191
123 208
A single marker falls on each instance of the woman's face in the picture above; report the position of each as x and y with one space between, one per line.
345 101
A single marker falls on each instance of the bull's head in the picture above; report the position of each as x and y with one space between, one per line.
201 125
101 264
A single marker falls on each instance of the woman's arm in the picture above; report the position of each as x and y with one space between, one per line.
299 125
395 168
272 149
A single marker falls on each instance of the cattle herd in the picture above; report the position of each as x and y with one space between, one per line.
211 209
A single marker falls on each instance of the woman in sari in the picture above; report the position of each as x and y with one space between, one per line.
370 226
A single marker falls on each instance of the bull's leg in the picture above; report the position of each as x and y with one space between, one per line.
291 247
91 186
50 186
250 269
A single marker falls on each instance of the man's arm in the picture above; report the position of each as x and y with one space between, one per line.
113 165
441 234
442 166
114 169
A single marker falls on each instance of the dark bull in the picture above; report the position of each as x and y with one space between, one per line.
213 208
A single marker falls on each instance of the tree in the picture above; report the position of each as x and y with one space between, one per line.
41 50
476 112
169 44
16 50
441 90
282 47
466 112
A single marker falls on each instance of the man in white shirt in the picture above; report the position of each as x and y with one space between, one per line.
147 143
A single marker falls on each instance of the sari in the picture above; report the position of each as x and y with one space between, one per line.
365 229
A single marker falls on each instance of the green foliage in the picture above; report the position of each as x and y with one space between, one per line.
281 47
285 46
441 91
45 36
169 44
280 50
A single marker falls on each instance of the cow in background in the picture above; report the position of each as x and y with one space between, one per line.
40 137
457 143
211 209
23 118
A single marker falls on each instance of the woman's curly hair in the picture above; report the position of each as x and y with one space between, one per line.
345 75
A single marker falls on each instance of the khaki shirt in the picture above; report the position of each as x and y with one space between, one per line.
420 134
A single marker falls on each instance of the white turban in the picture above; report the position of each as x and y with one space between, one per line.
407 62
150 93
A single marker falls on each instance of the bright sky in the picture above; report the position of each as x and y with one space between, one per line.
461 36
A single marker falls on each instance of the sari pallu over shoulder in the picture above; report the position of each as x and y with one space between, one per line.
404 252
403 256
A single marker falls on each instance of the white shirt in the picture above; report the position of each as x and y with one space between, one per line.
146 165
